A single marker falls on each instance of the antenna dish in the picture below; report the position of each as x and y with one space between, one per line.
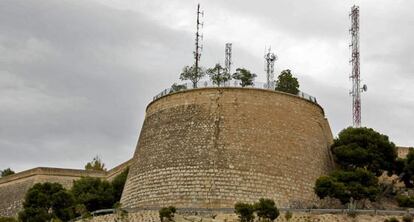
364 88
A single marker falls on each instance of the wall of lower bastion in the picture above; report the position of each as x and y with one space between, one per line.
14 187
212 147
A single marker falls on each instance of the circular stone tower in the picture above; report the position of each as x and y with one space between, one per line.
212 147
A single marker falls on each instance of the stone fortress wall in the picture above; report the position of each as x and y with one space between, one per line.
209 148
14 187
212 147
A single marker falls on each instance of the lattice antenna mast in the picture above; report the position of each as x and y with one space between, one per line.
198 39
270 59
355 61
228 61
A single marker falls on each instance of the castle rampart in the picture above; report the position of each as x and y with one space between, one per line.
14 187
212 147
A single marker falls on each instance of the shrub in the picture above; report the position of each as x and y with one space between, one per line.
46 201
343 185
118 184
266 209
245 211
8 219
407 218
6 172
405 201
94 193
391 219
288 215
167 213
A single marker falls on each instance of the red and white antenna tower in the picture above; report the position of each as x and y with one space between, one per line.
355 61
198 39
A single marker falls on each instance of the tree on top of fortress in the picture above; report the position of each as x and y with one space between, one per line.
95 164
6 172
287 83
218 74
190 73
245 76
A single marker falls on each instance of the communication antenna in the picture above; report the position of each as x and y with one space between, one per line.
198 39
227 62
270 59
355 61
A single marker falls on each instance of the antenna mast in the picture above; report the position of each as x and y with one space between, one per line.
270 59
198 39
227 62
355 75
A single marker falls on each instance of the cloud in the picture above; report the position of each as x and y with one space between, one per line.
76 76
75 79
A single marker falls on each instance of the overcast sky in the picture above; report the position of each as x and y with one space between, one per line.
76 75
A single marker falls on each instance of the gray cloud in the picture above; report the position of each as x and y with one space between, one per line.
76 76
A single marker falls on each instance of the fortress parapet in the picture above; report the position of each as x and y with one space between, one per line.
211 147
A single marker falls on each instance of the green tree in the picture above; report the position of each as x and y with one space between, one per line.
266 209
245 76
287 83
405 168
364 148
177 87
45 201
218 75
190 73
118 184
95 164
359 184
167 213
244 211
6 172
94 193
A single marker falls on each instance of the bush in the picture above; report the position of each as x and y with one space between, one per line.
245 211
45 201
288 215
391 219
8 219
405 201
94 193
407 218
118 184
266 209
167 213
6 172
343 185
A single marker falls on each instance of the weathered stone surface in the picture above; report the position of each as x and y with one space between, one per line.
152 216
212 147
13 188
